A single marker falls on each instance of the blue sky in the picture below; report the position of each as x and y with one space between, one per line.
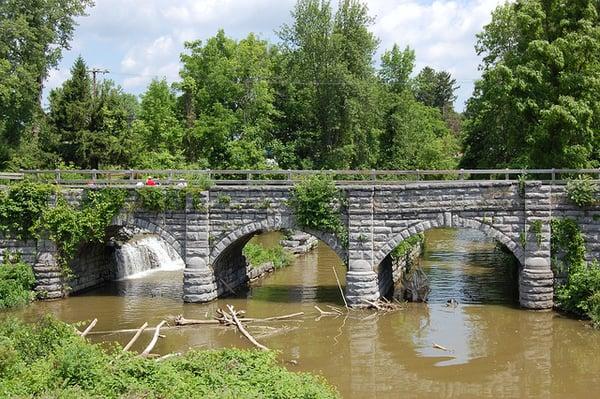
137 40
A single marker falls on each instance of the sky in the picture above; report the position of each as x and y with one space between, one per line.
138 40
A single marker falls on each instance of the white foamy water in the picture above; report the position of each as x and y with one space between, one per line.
145 255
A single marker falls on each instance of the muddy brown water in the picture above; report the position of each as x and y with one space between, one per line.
494 348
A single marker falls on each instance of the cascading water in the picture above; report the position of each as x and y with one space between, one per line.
142 255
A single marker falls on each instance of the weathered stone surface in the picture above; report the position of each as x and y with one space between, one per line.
378 219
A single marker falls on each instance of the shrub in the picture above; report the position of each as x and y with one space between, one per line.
580 295
317 204
257 255
48 359
21 206
16 284
582 191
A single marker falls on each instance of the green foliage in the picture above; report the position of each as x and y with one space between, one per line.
567 244
317 204
407 245
223 199
536 105
16 283
158 199
21 206
536 229
33 36
257 255
415 136
580 294
583 191
48 359
70 227
435 89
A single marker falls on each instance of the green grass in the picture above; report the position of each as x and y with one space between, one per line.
257 255
48 360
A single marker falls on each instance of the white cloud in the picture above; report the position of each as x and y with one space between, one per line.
138 39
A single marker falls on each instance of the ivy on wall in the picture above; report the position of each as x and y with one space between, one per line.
318 204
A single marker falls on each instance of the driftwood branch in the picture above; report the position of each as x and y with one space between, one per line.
340 287
135 337
325 313
152 343
243 330
89 328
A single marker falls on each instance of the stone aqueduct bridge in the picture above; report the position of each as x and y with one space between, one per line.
378 218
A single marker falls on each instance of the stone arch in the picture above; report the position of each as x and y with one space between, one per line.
246 232
456 221
150 227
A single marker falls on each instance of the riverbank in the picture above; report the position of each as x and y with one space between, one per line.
48 359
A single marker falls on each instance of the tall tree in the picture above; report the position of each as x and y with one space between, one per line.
33 34
396 67
158 132
91 131
537 102
228 101
435 88
328 90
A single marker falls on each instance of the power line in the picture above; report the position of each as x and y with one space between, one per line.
94 72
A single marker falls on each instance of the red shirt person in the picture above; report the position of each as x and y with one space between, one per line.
150 181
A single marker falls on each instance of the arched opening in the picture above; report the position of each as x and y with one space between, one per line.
458 264
128 252
299 267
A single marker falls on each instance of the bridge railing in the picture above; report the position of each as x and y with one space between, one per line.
133 177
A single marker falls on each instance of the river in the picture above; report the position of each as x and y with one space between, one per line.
494 349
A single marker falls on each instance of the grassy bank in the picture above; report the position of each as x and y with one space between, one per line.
257 255
47 359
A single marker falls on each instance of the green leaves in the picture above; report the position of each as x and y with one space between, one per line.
21 206
583 191
537 103
317 204
257 255
47 359
16 284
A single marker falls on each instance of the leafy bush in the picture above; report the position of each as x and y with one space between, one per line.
257 255
580 294
158 199
21 206
407 245
16 283
582 191
48 359
317 204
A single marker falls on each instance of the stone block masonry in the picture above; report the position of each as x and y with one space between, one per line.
378 218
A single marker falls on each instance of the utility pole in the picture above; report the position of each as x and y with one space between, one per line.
94 72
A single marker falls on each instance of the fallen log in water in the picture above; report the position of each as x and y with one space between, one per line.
244 332
135 337
152 343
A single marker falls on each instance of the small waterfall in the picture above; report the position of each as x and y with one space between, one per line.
143 255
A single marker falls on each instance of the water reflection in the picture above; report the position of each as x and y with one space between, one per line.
494 348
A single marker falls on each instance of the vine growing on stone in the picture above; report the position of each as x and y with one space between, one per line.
21 205
318 204
69 226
